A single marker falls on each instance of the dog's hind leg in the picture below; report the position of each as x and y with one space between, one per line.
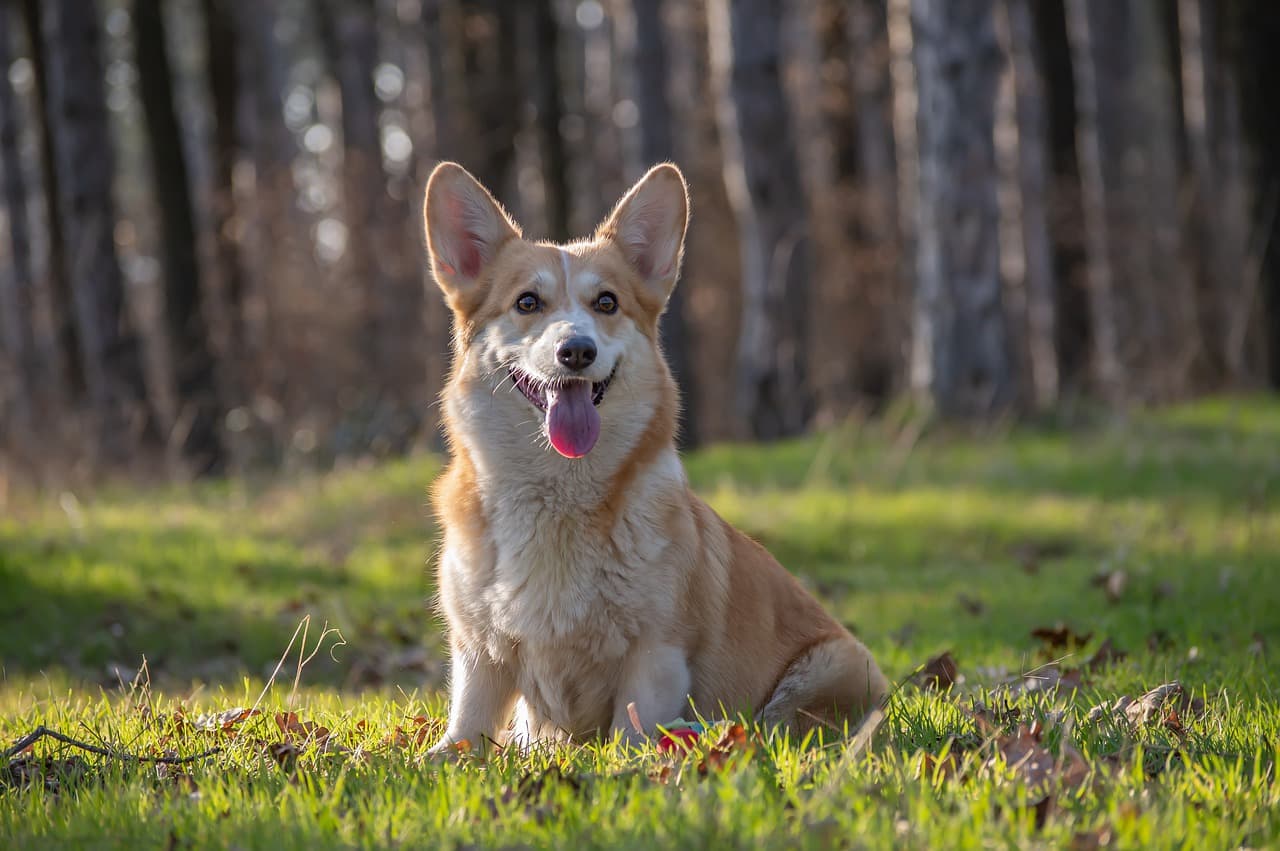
830 683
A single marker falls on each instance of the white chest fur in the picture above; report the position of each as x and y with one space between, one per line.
564 599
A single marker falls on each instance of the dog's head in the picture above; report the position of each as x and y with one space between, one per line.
565 336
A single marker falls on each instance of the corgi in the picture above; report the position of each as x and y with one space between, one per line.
578 573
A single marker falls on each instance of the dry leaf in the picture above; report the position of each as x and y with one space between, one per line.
226 720
1106 655
734 741
1060 637
939 673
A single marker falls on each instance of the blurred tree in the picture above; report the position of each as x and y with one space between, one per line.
373 258
1129 172
651 79
77 113
222 47
763 180
70 368
961 360
200 408
541 34
1027 263
1211 116
17 283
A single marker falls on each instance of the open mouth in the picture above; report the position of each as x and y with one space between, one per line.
572 422
536 390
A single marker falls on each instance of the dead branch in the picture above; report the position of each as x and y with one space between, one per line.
42 732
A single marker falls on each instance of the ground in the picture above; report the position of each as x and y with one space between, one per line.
1158 535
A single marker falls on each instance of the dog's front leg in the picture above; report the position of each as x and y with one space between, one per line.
482 694
656 679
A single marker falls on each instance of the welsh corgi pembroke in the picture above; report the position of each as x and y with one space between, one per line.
578 573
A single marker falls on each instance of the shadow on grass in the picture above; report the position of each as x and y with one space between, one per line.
196 607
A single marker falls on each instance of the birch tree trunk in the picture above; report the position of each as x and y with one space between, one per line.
82 145
763 182
962 359
200 410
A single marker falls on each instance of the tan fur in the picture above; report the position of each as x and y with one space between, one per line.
572 588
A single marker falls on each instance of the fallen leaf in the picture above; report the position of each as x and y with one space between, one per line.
733 742
294 729
226 721
1106 655
938 674
1147 708
1060 637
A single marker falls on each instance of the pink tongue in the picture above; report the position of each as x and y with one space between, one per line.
572 421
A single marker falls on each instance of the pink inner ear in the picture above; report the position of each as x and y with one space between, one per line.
469 256
465 246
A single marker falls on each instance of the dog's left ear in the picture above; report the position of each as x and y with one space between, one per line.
649 225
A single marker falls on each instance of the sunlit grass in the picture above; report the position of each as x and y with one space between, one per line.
921 540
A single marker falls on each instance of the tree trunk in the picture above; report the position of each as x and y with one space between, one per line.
111 349
1027 262
763 181
542 36
200 410
222 45
870 60
1211 118
1130 180
961 358
374 263
66 337
17 284
651 78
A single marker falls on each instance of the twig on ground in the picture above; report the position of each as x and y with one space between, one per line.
42 732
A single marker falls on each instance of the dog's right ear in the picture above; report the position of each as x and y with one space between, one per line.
465 227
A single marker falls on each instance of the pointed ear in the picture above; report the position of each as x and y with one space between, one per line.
649 225
465 227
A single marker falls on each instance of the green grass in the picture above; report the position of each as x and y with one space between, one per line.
921 543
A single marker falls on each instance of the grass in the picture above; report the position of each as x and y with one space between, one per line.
950 542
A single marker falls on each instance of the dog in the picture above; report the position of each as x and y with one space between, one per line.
582 583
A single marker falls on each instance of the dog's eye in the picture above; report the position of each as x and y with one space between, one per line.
528 303
607 303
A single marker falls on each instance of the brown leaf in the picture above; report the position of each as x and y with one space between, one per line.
733 742
939 673
295 730
1168 704
226 721
1060 637
1105 656
285 754
1026 757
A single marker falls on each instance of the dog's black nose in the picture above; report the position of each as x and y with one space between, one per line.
577 353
